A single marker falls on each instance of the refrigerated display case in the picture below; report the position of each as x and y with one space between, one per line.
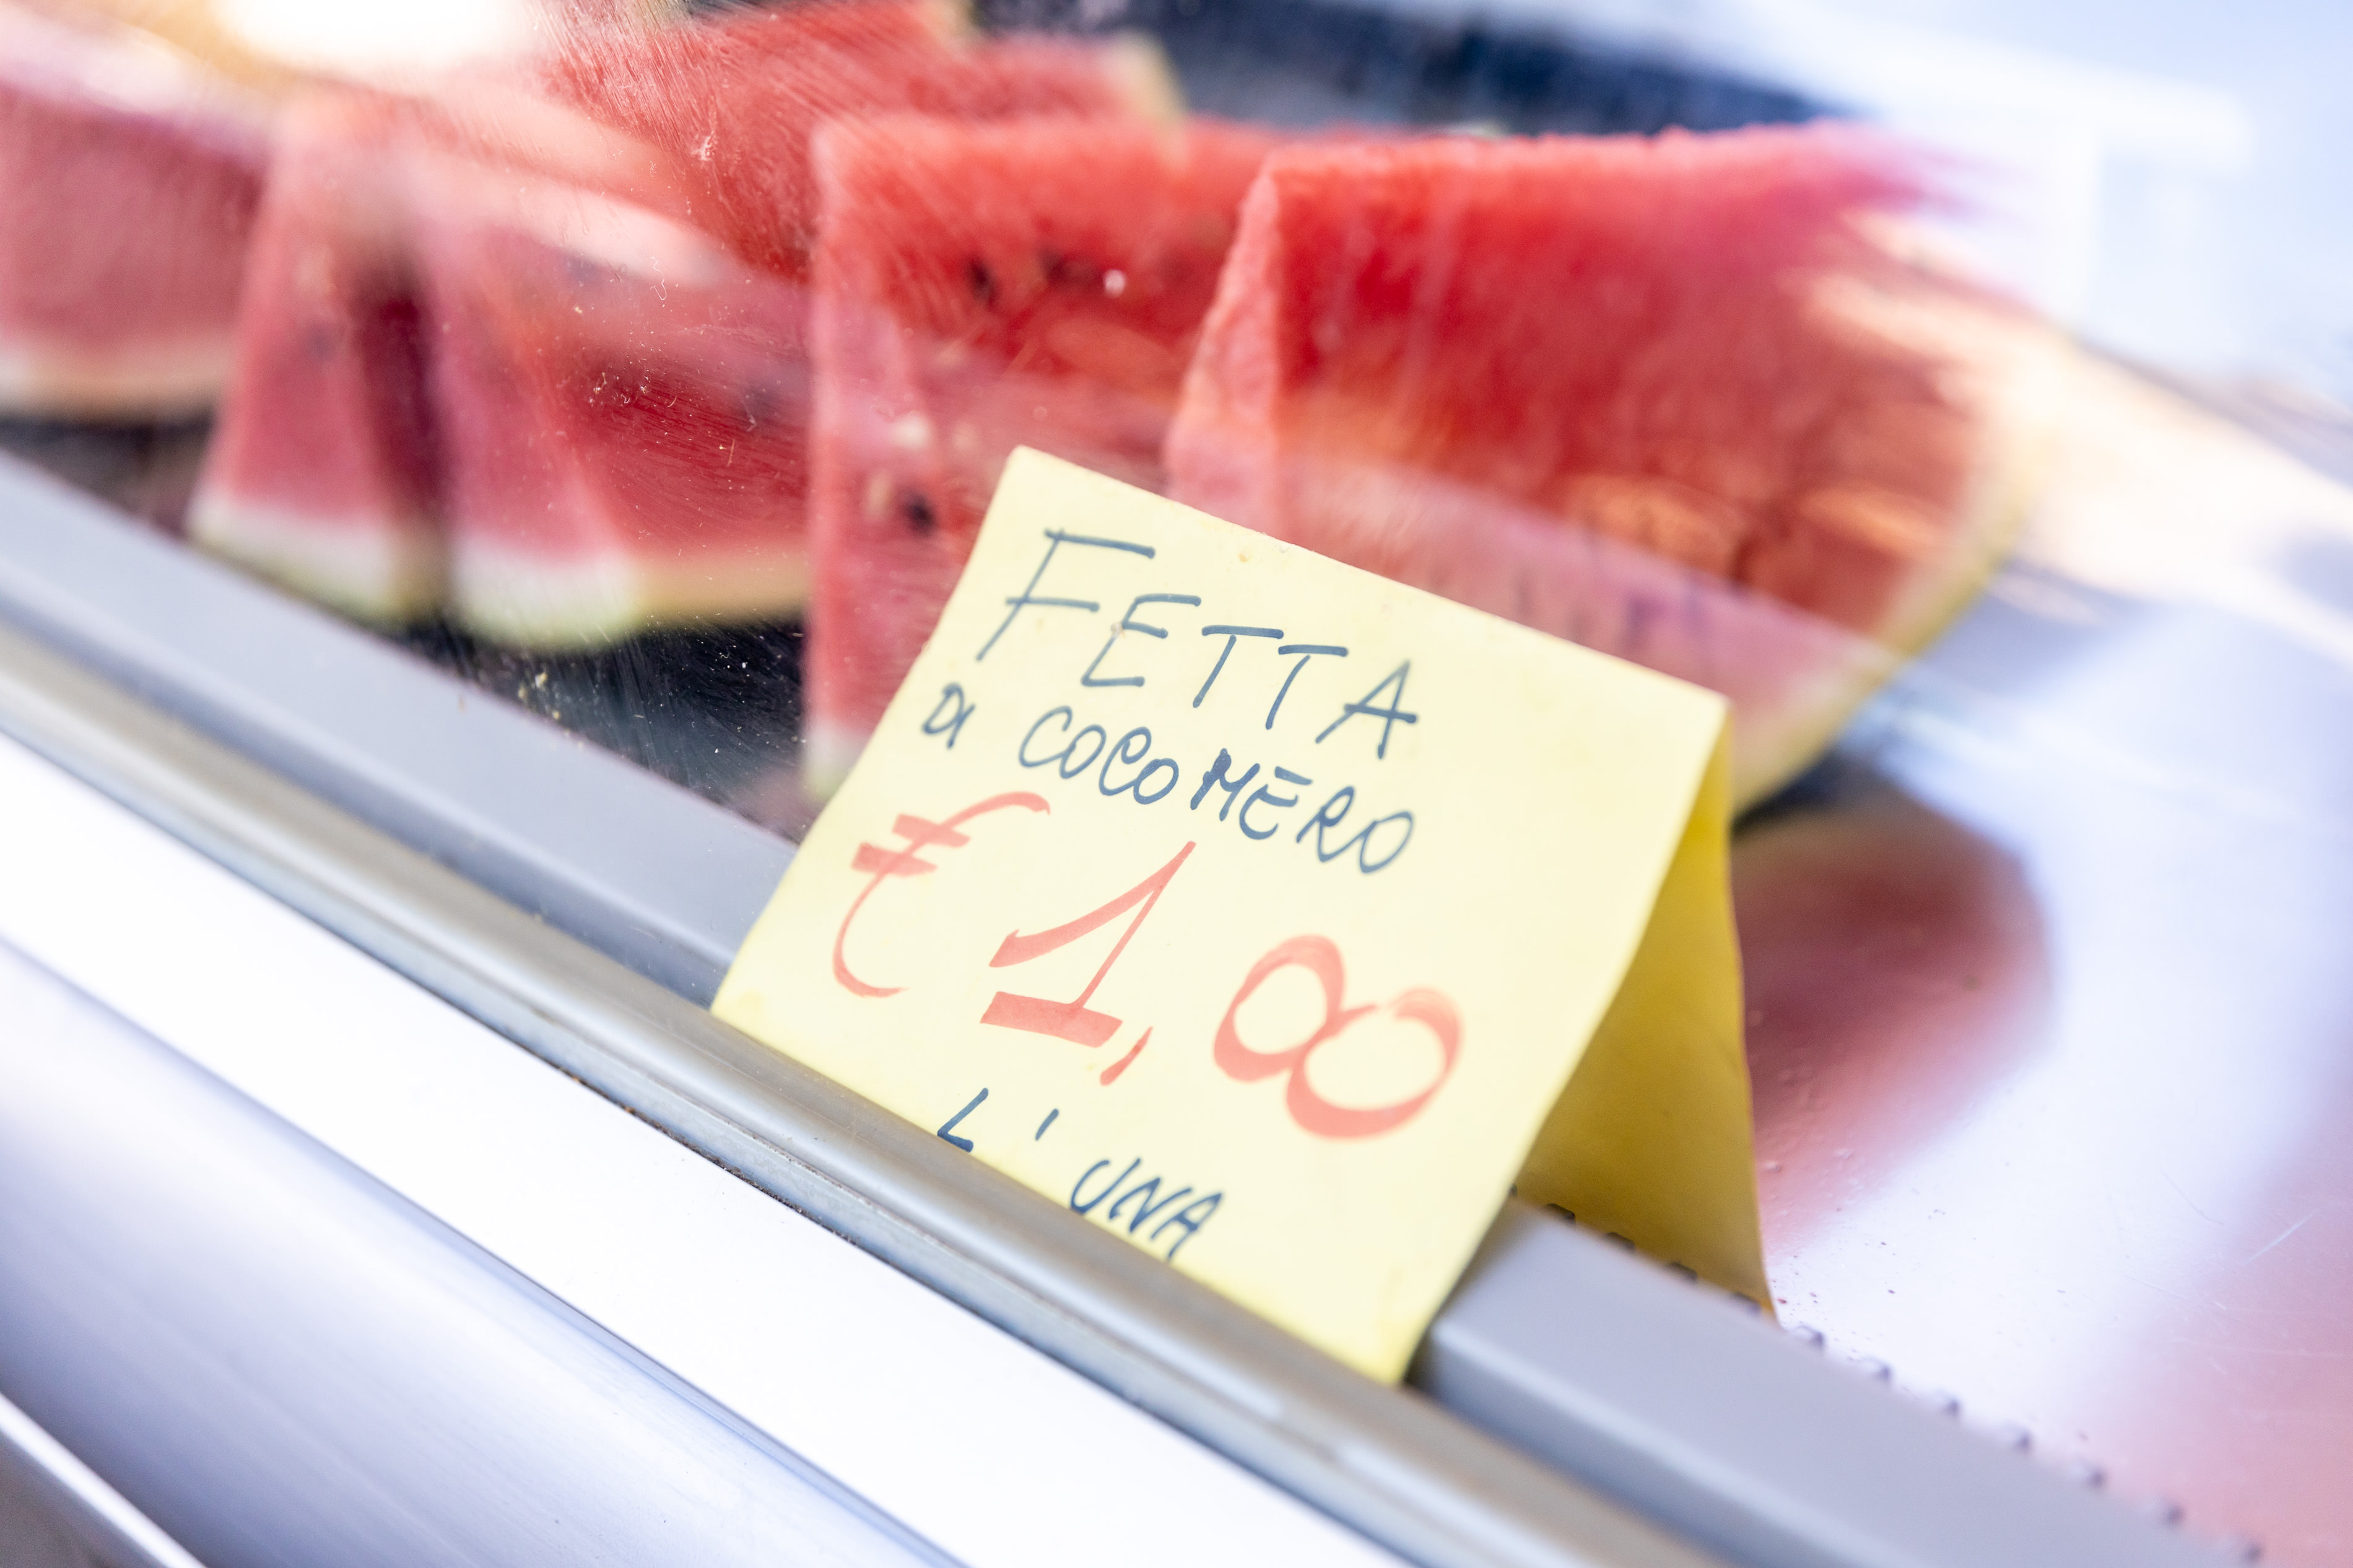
380 1188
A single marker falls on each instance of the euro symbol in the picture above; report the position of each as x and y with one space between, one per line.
906 861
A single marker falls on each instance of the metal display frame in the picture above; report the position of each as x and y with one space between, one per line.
85 1514
1569 1402
275 1356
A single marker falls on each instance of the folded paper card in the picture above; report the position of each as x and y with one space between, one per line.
1279 918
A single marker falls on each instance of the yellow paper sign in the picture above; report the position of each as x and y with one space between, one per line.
1260 910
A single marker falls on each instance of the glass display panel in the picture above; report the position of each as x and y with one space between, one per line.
1959 388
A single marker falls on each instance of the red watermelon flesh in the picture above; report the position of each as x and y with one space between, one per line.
978 287
324 469
1669 397
737 101
697 95
623 401
129 180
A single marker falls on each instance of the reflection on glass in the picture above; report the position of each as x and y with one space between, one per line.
652 370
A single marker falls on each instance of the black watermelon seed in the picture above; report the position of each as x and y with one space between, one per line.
1062 271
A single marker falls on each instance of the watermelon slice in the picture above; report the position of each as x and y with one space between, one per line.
324 471
608 434
320 471
1669 397
737 102
982 286
704 99
625 403
129 180
625 408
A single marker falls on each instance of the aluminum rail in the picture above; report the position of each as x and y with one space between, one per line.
58 1510
281 1359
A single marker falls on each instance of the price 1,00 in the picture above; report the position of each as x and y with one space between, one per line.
1075 1022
